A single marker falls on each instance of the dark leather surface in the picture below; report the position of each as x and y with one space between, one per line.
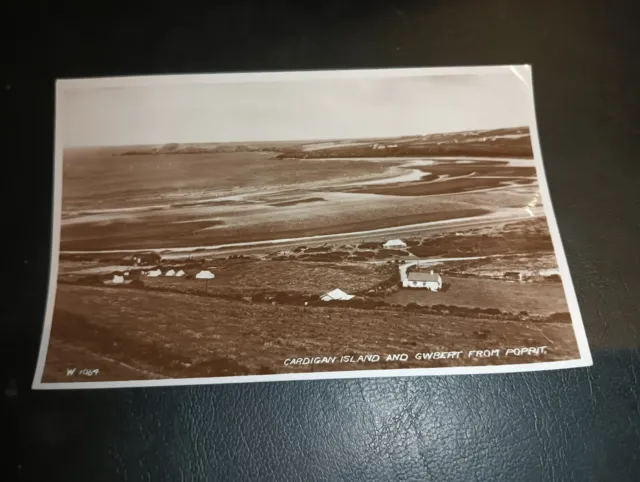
566 425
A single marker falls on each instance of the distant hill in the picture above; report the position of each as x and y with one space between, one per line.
181 149
507 142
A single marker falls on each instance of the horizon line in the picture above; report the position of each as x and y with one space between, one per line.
300 140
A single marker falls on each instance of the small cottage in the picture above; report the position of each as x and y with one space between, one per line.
395 243
117 279
336 295
416 279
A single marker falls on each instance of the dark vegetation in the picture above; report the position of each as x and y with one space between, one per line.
318 249
134 334
371 299
523 237
530 236
473 144
325 257
95 337
370 245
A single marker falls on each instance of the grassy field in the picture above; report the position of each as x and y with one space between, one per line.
530 236
532 265
541 298
140 334
248 277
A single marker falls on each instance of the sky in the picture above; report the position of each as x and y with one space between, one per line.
311 109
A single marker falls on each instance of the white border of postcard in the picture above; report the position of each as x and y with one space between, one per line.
523 72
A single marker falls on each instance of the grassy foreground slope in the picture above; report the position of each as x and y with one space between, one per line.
141 334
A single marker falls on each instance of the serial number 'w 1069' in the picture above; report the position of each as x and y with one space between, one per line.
82 372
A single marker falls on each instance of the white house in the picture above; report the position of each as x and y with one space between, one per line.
395 243
154 273
180 273
171 272
117 279
336 294
415 279
205 274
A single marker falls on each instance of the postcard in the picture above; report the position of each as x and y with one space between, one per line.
237 228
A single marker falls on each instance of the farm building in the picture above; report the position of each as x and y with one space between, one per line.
416 279
205 274
395 243
336 294
154 273
117 279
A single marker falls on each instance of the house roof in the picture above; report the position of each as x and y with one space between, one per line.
395 241
418 276
337 294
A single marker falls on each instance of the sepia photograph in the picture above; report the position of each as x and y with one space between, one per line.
285 226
